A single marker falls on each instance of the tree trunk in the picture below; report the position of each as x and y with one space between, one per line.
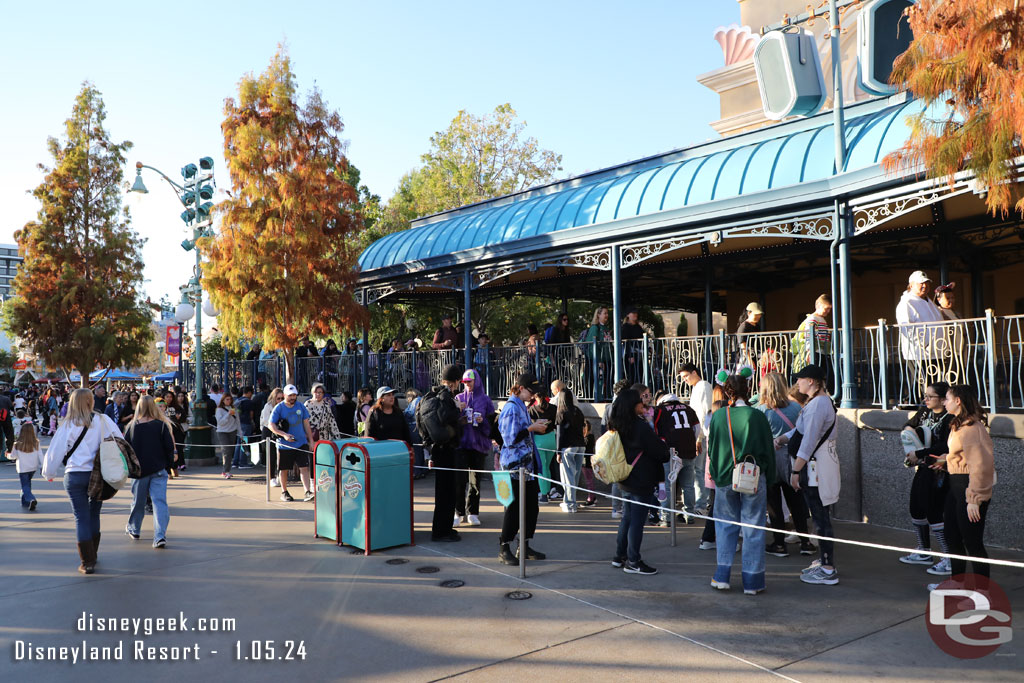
289 366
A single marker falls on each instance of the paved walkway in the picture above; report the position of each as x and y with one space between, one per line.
231 555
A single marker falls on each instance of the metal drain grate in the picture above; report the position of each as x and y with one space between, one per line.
519 595
453 583
397 560
427 570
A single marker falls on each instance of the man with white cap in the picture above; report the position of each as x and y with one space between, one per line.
290 422
916 307
474 447
678 426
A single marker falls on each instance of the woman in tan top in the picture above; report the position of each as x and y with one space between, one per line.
971 474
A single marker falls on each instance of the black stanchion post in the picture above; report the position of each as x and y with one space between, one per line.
522 522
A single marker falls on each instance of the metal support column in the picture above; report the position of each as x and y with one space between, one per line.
467 288
709 323
617 315
366 356
849 395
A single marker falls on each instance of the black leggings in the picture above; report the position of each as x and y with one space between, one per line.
928 495
964 536
510 524
797 509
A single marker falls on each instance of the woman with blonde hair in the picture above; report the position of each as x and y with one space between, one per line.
151 435
72 455
597 339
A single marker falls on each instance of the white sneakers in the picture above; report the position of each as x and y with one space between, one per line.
942 568
468 520
274 482
457 521
473 520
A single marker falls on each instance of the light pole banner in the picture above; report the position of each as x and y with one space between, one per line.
172 346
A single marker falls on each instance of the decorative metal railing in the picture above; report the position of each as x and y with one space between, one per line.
892 364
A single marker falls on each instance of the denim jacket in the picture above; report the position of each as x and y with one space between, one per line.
515 454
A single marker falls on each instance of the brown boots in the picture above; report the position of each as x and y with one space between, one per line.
87 551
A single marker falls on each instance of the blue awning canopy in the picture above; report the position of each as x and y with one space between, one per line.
781 156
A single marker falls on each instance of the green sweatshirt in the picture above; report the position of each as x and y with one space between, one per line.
752 435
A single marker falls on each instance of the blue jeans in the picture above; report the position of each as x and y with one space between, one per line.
151 486
616 503
86 510
572 463
26 488
749 509
684 480
631 527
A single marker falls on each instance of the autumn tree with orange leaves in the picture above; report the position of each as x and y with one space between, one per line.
967 62
284 263
78 294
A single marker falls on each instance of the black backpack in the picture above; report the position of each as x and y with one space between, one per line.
430 420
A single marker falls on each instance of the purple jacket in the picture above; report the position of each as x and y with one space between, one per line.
477 437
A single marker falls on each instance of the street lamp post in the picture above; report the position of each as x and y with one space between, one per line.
194 194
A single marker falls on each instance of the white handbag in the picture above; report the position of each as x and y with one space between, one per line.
746 475
113 464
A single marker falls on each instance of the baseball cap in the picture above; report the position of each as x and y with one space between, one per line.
668 398
811 372
918 277
755 307
470 376
384 391
290 389
529 382
942 289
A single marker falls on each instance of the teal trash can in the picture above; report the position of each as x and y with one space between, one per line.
326 520
375 488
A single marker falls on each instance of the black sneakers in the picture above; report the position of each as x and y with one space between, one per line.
309 496
287 497
617 562
777 549
639 568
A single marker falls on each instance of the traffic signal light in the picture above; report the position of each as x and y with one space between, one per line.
789 74
883 34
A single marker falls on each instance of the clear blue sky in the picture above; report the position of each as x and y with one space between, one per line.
599 82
